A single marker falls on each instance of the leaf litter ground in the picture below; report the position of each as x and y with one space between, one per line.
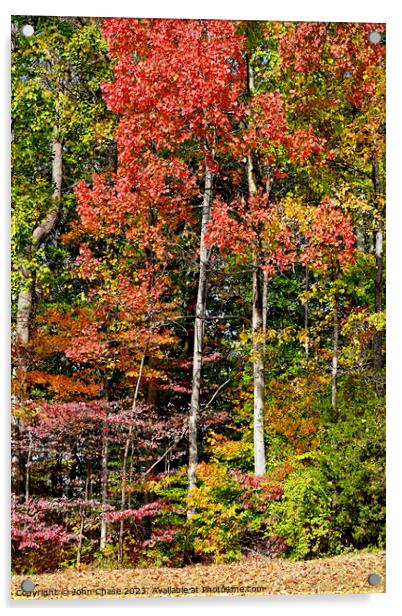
340 575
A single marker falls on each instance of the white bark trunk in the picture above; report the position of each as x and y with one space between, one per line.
25 301
28 468
334 376
39 235
258 374
126 451
258 325
379 250
24 305
198 334
264 305
43 230
104 483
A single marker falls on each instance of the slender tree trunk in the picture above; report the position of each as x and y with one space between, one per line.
44 229
130 473
25 303
39 235
82 520
28 468
16 477
360 239
72 475
306 340
334 374
260 290
104 482
258 373
24 308
152 396
379 250
264 306
198 335
126 451
259 326
307 344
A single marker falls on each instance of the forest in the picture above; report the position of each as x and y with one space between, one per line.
198 291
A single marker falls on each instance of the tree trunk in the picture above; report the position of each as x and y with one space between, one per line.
28 468
43 230
104 483
16 476
198 335
306 340
264 306
260 291
126 451
379 249
39 235
25 302
258 372
24 308
258 325
152 396
131 473
24 305
72 475
82 519
334 374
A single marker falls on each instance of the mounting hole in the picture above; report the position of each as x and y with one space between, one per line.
374 37
27 585
374 579
27 30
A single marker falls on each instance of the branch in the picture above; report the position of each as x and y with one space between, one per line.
217 392
41 232
206 318
168 450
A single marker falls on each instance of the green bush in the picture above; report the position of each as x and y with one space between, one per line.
303 518
353 464
334 499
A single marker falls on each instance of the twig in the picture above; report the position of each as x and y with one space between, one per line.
175 442
217 392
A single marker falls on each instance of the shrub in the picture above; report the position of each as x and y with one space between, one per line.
38 534
353 465
334 499
231 514
303 517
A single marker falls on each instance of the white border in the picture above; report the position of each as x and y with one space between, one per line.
306 10
290 10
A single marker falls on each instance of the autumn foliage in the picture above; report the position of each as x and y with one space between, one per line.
287 120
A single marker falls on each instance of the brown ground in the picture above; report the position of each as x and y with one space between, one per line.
341 574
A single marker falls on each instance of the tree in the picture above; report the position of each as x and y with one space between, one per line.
193 101
55 76
340 77
330 247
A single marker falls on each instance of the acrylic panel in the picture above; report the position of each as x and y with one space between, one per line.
198 291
